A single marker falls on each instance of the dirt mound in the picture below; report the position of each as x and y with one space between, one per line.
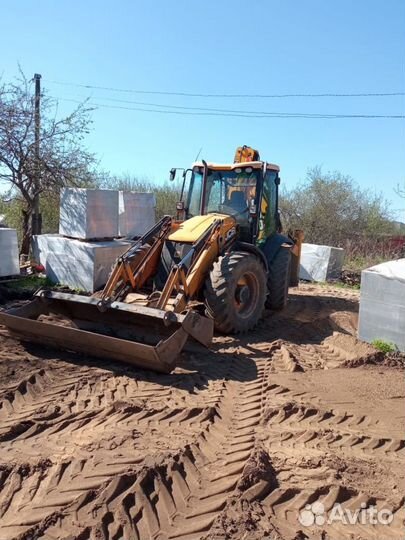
395 359
243 519
353 351
237 443
351 277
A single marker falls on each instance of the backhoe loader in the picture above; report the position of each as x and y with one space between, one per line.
217 264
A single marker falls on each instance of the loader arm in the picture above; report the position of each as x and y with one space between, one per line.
188 276
137 264
107 326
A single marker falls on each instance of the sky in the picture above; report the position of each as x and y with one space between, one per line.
223 47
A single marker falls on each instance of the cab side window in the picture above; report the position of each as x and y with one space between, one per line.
268 209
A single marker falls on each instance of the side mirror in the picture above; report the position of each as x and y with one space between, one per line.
172 175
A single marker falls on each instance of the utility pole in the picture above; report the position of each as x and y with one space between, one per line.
36 216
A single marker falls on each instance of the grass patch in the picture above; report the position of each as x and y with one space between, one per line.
25 287
21 288
33 283
341 285
28 282
383 346
338 285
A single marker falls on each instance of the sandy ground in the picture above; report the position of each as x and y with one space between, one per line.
235 444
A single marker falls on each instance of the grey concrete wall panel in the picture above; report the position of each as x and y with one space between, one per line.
382 303
89 213
9 256
320 263
136 213
78 264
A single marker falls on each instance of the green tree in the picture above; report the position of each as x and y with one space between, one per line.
330 208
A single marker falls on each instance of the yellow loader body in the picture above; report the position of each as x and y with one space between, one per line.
145 328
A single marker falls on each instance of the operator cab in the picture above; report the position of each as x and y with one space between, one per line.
247 191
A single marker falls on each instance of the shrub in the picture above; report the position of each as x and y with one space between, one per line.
383 346
331 208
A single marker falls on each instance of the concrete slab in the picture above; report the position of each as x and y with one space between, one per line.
320 263
9 257
88 213
77 264
136 213
382 303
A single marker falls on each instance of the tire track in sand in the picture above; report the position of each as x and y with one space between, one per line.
31 495
181 497
311 447
336 441
283 506
65 408
292 423
125 454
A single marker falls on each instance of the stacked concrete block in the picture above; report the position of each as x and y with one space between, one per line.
40 246
136 213
77 264
88 214
382 303
9 259
320 263
82 255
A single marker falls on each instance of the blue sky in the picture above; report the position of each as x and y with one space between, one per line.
256 47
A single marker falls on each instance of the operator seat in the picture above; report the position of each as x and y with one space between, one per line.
237 202
237 206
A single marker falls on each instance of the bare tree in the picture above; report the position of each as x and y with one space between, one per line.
62 158
400 190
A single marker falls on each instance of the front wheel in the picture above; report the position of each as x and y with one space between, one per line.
235 292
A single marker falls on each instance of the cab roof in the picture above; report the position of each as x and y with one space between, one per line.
232 166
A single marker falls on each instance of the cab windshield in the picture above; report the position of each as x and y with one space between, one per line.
227 192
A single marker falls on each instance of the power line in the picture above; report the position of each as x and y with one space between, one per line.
206 109
206 95
228 113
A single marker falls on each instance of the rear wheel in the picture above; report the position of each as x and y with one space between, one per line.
278 279
235 292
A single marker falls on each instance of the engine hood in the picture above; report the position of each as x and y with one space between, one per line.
191 230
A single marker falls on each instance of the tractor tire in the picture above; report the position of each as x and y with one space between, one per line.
278 279
235 292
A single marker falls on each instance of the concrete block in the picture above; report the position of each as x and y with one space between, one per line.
88 213
39 246
382 303
136 213
77 264
320 263
9 257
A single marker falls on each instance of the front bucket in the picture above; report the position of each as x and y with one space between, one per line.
141 336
